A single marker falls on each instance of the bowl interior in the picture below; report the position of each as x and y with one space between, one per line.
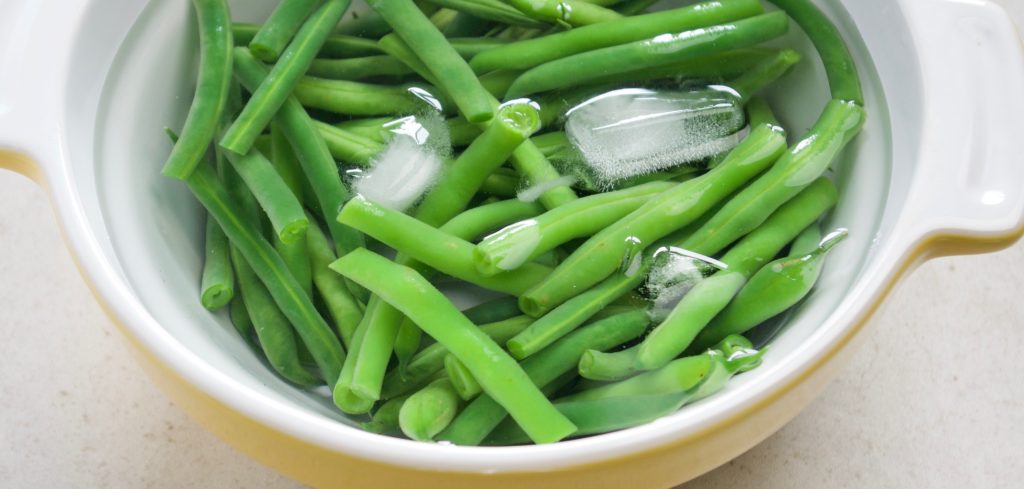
136 66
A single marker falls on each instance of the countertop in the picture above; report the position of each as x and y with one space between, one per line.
932 399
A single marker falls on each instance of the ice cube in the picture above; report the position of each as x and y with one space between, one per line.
674 273
410 163
634 131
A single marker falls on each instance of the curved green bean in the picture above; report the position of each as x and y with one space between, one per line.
272 193
527 54
211 89
498 374
274 35
277 86
343 308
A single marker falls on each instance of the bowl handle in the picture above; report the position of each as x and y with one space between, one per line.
35 49
968 194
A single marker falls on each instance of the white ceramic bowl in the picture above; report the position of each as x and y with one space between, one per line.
86 87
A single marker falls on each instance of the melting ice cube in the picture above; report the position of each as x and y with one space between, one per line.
409 165
635 131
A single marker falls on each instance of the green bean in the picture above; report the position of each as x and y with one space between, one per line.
280 27
363 373
719 66
835 55
283 158
395 47
519 243
275 334
373 128
345 397
472 223
367 25
633 7
478 418
360 99
358 68
348 147
710 296
498 374
277 86
603 253
461 379
217 285
276 199
344 309
495 10
776 287
296 258
679 376
271 270
385 419
241 321
597 365
446 254
429 44
570 12
430 360
319 167
211 89
531 163
764 73
467 47
427 412
501 185
336 45
524 55
659 51
513 124
796 169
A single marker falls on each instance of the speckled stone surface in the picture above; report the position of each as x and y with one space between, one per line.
933 398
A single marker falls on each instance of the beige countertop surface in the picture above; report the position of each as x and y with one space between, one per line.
932 399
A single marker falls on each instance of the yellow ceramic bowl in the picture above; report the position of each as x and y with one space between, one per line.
86 87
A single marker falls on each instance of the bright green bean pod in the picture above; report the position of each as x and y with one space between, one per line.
272 271
461 378
597 365
764 73
336 45
429 44
467 47
274 35
531 163
570 12
605 252
358 68
839 64
527 54
346 398
371 127
348 147
521 242
395 47
211 89
385 419
365 367
217 285
710 296
359 99
296 258
800 166
473 424
661 50
283 158
679 376
446 254
277 86
276 199
428 411
495 10
776 287
500 185
430 360
498 374
275 334
513 124
719 66
319 167
344 309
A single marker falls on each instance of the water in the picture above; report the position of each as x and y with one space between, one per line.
635 131
674 273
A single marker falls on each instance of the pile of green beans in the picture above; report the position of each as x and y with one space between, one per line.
571 340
